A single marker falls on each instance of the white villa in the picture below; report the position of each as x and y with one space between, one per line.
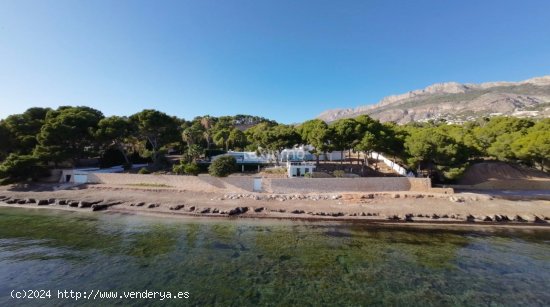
247 157
303 153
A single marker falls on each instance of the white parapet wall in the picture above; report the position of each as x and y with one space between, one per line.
396 167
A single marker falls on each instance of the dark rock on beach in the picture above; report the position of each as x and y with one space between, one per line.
43 202
520 219
176 207
84 204
103 206
238 210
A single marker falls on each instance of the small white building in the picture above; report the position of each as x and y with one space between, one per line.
80 175
299 169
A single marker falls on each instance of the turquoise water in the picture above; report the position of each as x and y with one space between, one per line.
245 262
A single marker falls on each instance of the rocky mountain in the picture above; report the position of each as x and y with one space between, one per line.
456 102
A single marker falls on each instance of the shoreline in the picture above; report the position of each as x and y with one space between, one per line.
423 224
397 208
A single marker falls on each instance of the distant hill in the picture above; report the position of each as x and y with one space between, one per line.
456 102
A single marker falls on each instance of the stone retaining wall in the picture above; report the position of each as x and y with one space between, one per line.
240 184
370 184
189 183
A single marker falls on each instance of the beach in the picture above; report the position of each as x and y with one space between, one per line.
380 207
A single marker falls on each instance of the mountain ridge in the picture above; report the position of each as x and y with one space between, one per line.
457 102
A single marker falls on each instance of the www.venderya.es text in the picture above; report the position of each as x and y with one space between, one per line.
98 294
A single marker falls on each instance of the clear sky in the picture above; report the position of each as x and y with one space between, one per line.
287 60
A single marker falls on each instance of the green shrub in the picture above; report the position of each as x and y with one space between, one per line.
192 169
338 173
186 168
144 171
178 169
453 173
308 175
222 166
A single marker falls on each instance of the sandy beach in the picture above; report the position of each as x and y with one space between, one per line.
380 207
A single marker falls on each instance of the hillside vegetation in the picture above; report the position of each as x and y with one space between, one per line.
39 139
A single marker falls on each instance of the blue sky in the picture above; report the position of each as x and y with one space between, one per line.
283 59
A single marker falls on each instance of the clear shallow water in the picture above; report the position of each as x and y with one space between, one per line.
271 263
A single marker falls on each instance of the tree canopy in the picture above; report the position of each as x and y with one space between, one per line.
43 136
